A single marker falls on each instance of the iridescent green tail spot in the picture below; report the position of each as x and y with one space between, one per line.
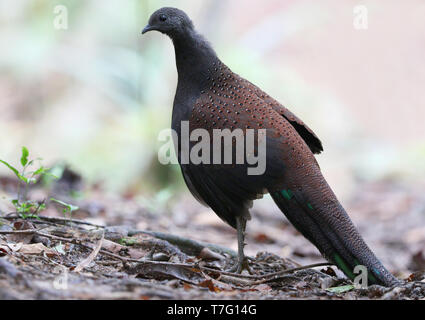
287 194
342 265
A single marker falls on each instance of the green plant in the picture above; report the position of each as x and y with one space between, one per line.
27 208
24 207
127 241
68 208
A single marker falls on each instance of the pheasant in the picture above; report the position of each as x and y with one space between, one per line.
210 96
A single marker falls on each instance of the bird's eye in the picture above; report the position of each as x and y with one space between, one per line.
162 17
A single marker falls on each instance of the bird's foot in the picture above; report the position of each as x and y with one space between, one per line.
241 265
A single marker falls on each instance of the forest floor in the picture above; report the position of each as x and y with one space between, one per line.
118 248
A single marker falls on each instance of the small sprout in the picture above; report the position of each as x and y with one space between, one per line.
68 208
127 241
27 208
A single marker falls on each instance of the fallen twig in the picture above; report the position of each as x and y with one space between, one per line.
59 220
186 245
268 276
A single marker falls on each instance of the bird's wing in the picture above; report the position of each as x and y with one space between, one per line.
217 190
303 130
228 188
231 104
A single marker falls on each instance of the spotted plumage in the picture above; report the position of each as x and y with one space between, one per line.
210 96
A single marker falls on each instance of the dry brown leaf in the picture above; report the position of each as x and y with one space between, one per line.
15 246
207 254
217 284
84 263
112 246
210 285
263 287
136 254
117 248
187 286
37 248
168 271
263 238
19 237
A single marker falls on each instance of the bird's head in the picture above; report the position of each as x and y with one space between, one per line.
171 21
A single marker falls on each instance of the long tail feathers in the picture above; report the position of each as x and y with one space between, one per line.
345 250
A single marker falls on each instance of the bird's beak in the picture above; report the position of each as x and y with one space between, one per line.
147 28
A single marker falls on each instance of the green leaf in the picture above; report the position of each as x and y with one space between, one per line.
58 201
68 207
341 289
16 204
29 216
24 207
15 171
41 207
48 174
11 168
40 170
73 208
24 157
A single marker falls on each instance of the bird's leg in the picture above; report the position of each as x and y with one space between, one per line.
242 263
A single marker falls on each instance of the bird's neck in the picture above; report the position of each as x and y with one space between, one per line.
194 58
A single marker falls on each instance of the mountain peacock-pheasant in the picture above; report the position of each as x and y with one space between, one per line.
210 96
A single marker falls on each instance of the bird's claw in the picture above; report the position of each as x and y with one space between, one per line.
239 266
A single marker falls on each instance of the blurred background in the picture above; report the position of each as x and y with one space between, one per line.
97 93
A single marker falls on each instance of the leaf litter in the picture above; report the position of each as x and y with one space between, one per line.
104 254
